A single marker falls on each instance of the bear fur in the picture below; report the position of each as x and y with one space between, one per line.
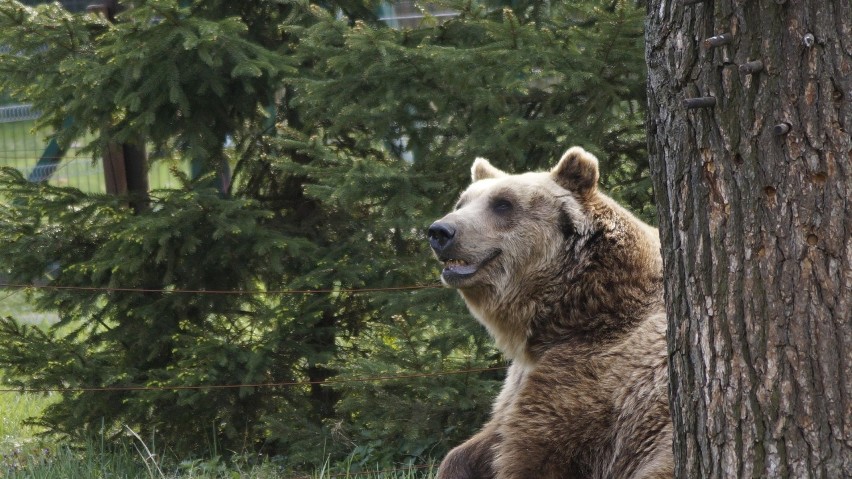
569 284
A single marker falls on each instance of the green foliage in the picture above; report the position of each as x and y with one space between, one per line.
516 86
165 72
374 133
154 339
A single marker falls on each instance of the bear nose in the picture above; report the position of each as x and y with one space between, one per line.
441 236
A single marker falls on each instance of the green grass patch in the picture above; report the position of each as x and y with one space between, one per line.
26 453
15 303
21 444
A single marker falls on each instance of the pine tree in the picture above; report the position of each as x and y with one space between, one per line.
372 137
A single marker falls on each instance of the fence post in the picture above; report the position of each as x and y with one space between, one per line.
50 158
125 164
126 172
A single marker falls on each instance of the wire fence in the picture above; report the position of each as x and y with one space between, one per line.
25 149
81 173
219 292
17 112
196 387
16 135
381 378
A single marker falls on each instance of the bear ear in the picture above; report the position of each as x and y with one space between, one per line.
482 169
577 171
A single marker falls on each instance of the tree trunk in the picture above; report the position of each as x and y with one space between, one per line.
753 188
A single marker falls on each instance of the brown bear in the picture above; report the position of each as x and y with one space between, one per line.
569 284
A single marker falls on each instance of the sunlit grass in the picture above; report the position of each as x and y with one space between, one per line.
24 453
14 303
20 442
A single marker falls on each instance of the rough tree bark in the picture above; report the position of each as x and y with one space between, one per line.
754 189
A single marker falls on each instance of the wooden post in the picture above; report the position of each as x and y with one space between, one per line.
125 165
115 174
126 173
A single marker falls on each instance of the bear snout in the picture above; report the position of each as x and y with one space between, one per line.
441 236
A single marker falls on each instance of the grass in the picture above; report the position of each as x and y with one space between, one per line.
14 303
19 441
26 453
29 458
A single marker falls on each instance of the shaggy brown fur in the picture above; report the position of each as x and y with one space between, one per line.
570 286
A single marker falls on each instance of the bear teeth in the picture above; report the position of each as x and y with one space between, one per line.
452 263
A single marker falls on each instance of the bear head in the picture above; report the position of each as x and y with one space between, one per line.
545 257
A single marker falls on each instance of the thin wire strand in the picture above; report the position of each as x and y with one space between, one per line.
14 292
255 385
231 292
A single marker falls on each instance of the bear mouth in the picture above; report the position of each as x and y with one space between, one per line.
457 270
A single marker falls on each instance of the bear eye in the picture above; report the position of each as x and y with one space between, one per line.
501 205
